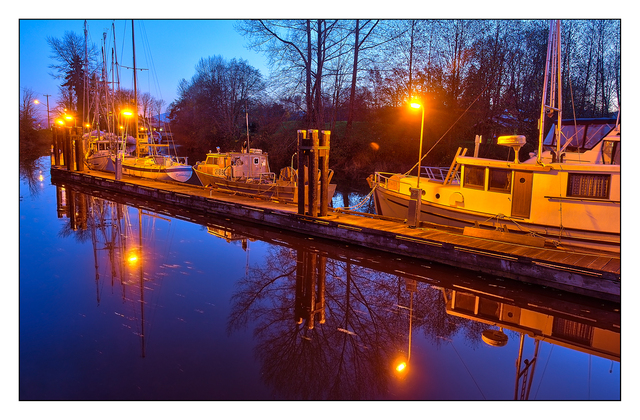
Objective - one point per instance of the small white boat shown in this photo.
(101, 148)
(567, 193)
(157, 164)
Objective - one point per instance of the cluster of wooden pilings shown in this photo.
(313, 162)
(67, 148)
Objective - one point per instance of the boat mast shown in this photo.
(135, 90)
(553, 84)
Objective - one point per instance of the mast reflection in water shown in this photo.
(121, 300)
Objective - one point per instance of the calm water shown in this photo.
(120, 300)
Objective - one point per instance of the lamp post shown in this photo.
(415, 201)
(421, 107)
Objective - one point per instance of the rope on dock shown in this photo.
(361, 203)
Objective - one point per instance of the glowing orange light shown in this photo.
(127, 113)
(68, 117)
(36, 101)
(402, 366)
(133, 258)
(415, 105)
(60, 122)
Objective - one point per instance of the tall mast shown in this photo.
(135, 90)
(552, 86)
(85, 94)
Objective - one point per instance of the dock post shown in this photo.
(302, 165)
(324, 171)
(79, 154)
(313, 173)
(413, 212)
(56, 146)
(118, 165)
(68, 150)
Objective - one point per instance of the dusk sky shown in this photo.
(170, 49)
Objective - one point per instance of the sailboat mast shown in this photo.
(135, 90)
(85, 94)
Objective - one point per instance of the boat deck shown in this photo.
(577, 272)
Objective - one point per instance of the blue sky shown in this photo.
(170, 49)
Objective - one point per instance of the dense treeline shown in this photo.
(354, 77)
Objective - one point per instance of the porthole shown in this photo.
(437, 195)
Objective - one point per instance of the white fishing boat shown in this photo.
(248, 172)
(568, 192)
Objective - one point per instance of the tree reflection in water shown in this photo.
(351, 355)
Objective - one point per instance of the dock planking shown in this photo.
(580, 273)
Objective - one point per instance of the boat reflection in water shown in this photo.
(333, 322)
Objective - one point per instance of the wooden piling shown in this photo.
(324, 172)
(313, 174)
(302, 165)
(79, 152)
(68, 150)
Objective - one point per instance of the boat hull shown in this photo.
(100, 162)
(390, 203)
(280, 190)
(139, 168)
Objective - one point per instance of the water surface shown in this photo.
(126, 300)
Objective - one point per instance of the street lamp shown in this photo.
(418, 105)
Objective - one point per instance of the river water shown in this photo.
(123, 300)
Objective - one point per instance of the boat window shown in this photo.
(588, 185)
(595, 133)
(581, 136)
(611, 152)
(256, 161)
(209, 160)
(465, 302)
(474, 177)
(500, 180)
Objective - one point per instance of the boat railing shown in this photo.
(392, 181)
(438, 173)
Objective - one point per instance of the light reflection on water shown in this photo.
(128, 301)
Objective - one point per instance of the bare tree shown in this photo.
(75, 61)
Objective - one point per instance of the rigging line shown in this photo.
(465, 366)
(589, 383)
(543, 371)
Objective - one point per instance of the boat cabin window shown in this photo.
(256, 161)
(611, 152)
(582, 136)
(500, 180)
(209, 160)
(474, 177)
(588, 185)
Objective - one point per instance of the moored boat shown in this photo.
(149, 161)
(568, 192)
(248, 172)
(101, 149)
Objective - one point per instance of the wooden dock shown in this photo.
(582, 273)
